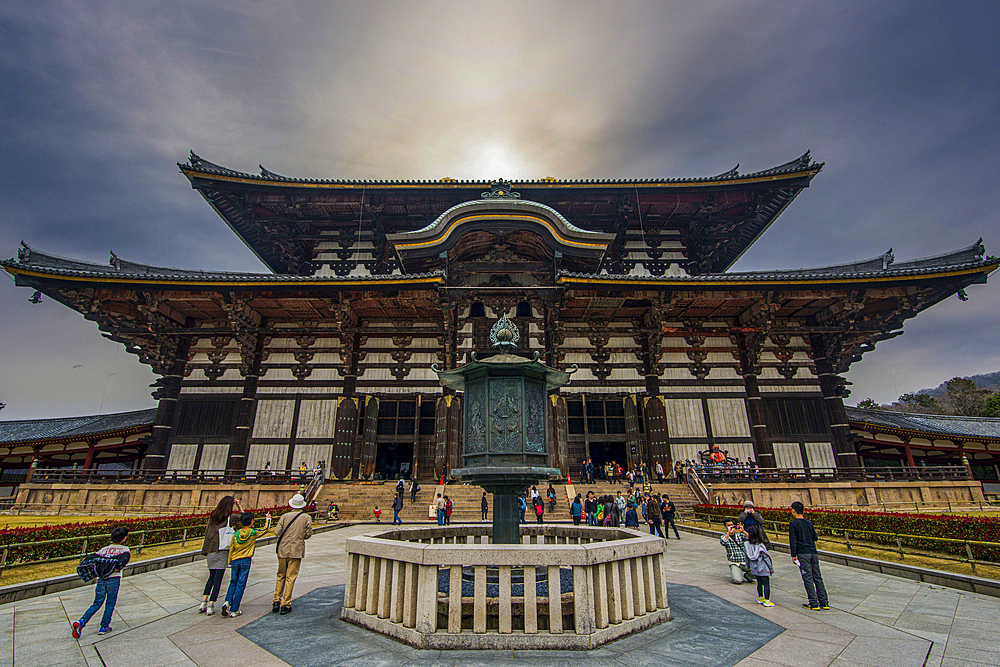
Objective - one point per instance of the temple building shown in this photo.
(328, 357)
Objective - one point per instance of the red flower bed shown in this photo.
(972, 528)
(170, 529)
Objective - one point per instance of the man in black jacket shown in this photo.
(802, 543)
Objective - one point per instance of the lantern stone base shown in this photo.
(600, 584)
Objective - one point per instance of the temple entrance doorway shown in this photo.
(393, 459)
(605, 452)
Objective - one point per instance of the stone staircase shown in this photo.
(357, 501)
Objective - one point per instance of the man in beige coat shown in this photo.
(292, 530)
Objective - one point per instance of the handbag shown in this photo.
(226, 536)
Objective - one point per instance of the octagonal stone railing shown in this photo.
(449, 588)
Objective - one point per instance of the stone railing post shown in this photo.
(426, 616)
(555, 601)
(455, 600)
(583, 600)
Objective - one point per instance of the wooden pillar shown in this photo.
(907, 453)
(89, 462)
(748, 357)
(247, 410)
(845, 454)
(167, 392)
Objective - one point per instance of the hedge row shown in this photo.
(171, 529)
(916, 526)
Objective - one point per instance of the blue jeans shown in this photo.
(440, 517)
(106, 594)
(591, 519)
(395, 517)
(239, 572)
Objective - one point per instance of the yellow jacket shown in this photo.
(245, 540)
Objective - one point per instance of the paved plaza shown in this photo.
(876, 620)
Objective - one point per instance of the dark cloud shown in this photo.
(100, 99)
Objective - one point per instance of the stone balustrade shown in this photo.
(449, 587)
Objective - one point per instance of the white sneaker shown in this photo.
(201, 607)
(210, 609)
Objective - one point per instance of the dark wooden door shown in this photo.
(559, 443)
(347, 427)
(455, 433)
(441, 434)
(656, 431)
(633, 445)
(368, 446)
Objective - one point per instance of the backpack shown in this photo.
(538, 509)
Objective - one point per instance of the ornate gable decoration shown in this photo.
(500, 190)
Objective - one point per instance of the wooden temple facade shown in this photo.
(328, 357)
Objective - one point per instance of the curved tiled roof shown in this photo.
(29, 259)
(946, 426)
(67, 428)
(883, 266)
(198, 165)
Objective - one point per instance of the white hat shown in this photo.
(297, 502)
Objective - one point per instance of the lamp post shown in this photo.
(504, 444)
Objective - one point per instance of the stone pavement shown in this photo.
(876, 620)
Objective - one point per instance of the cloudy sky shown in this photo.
(98, 101)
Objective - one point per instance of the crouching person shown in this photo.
(241, 551)
(292, 531)
(733, 539)
(106, 566)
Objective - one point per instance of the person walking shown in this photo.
(654, 515)
(669, 513)
(550, 495)
(485, 507)
(539, 508)
(448, 508)
(107, 564)
(218, 533)
(802, 545)
(522, 506)
(291, 530)
(414, 488)
(400, 488)
(576, 510)
(397, 504)
(760, 564)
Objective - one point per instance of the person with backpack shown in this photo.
(105, 565)
(760, 563)
(522, 506)
(291, 530)
(414, 489)
(218, 534)
(400, 488)
(550, 495)
(448, 508)
(539, 508)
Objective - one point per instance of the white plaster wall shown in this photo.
(260, 454)
(317, 419)
(820, 455)
(274, 419)
(182, 457)
(729, 417)
(214, 457)
(685, 418)
(787, 455)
